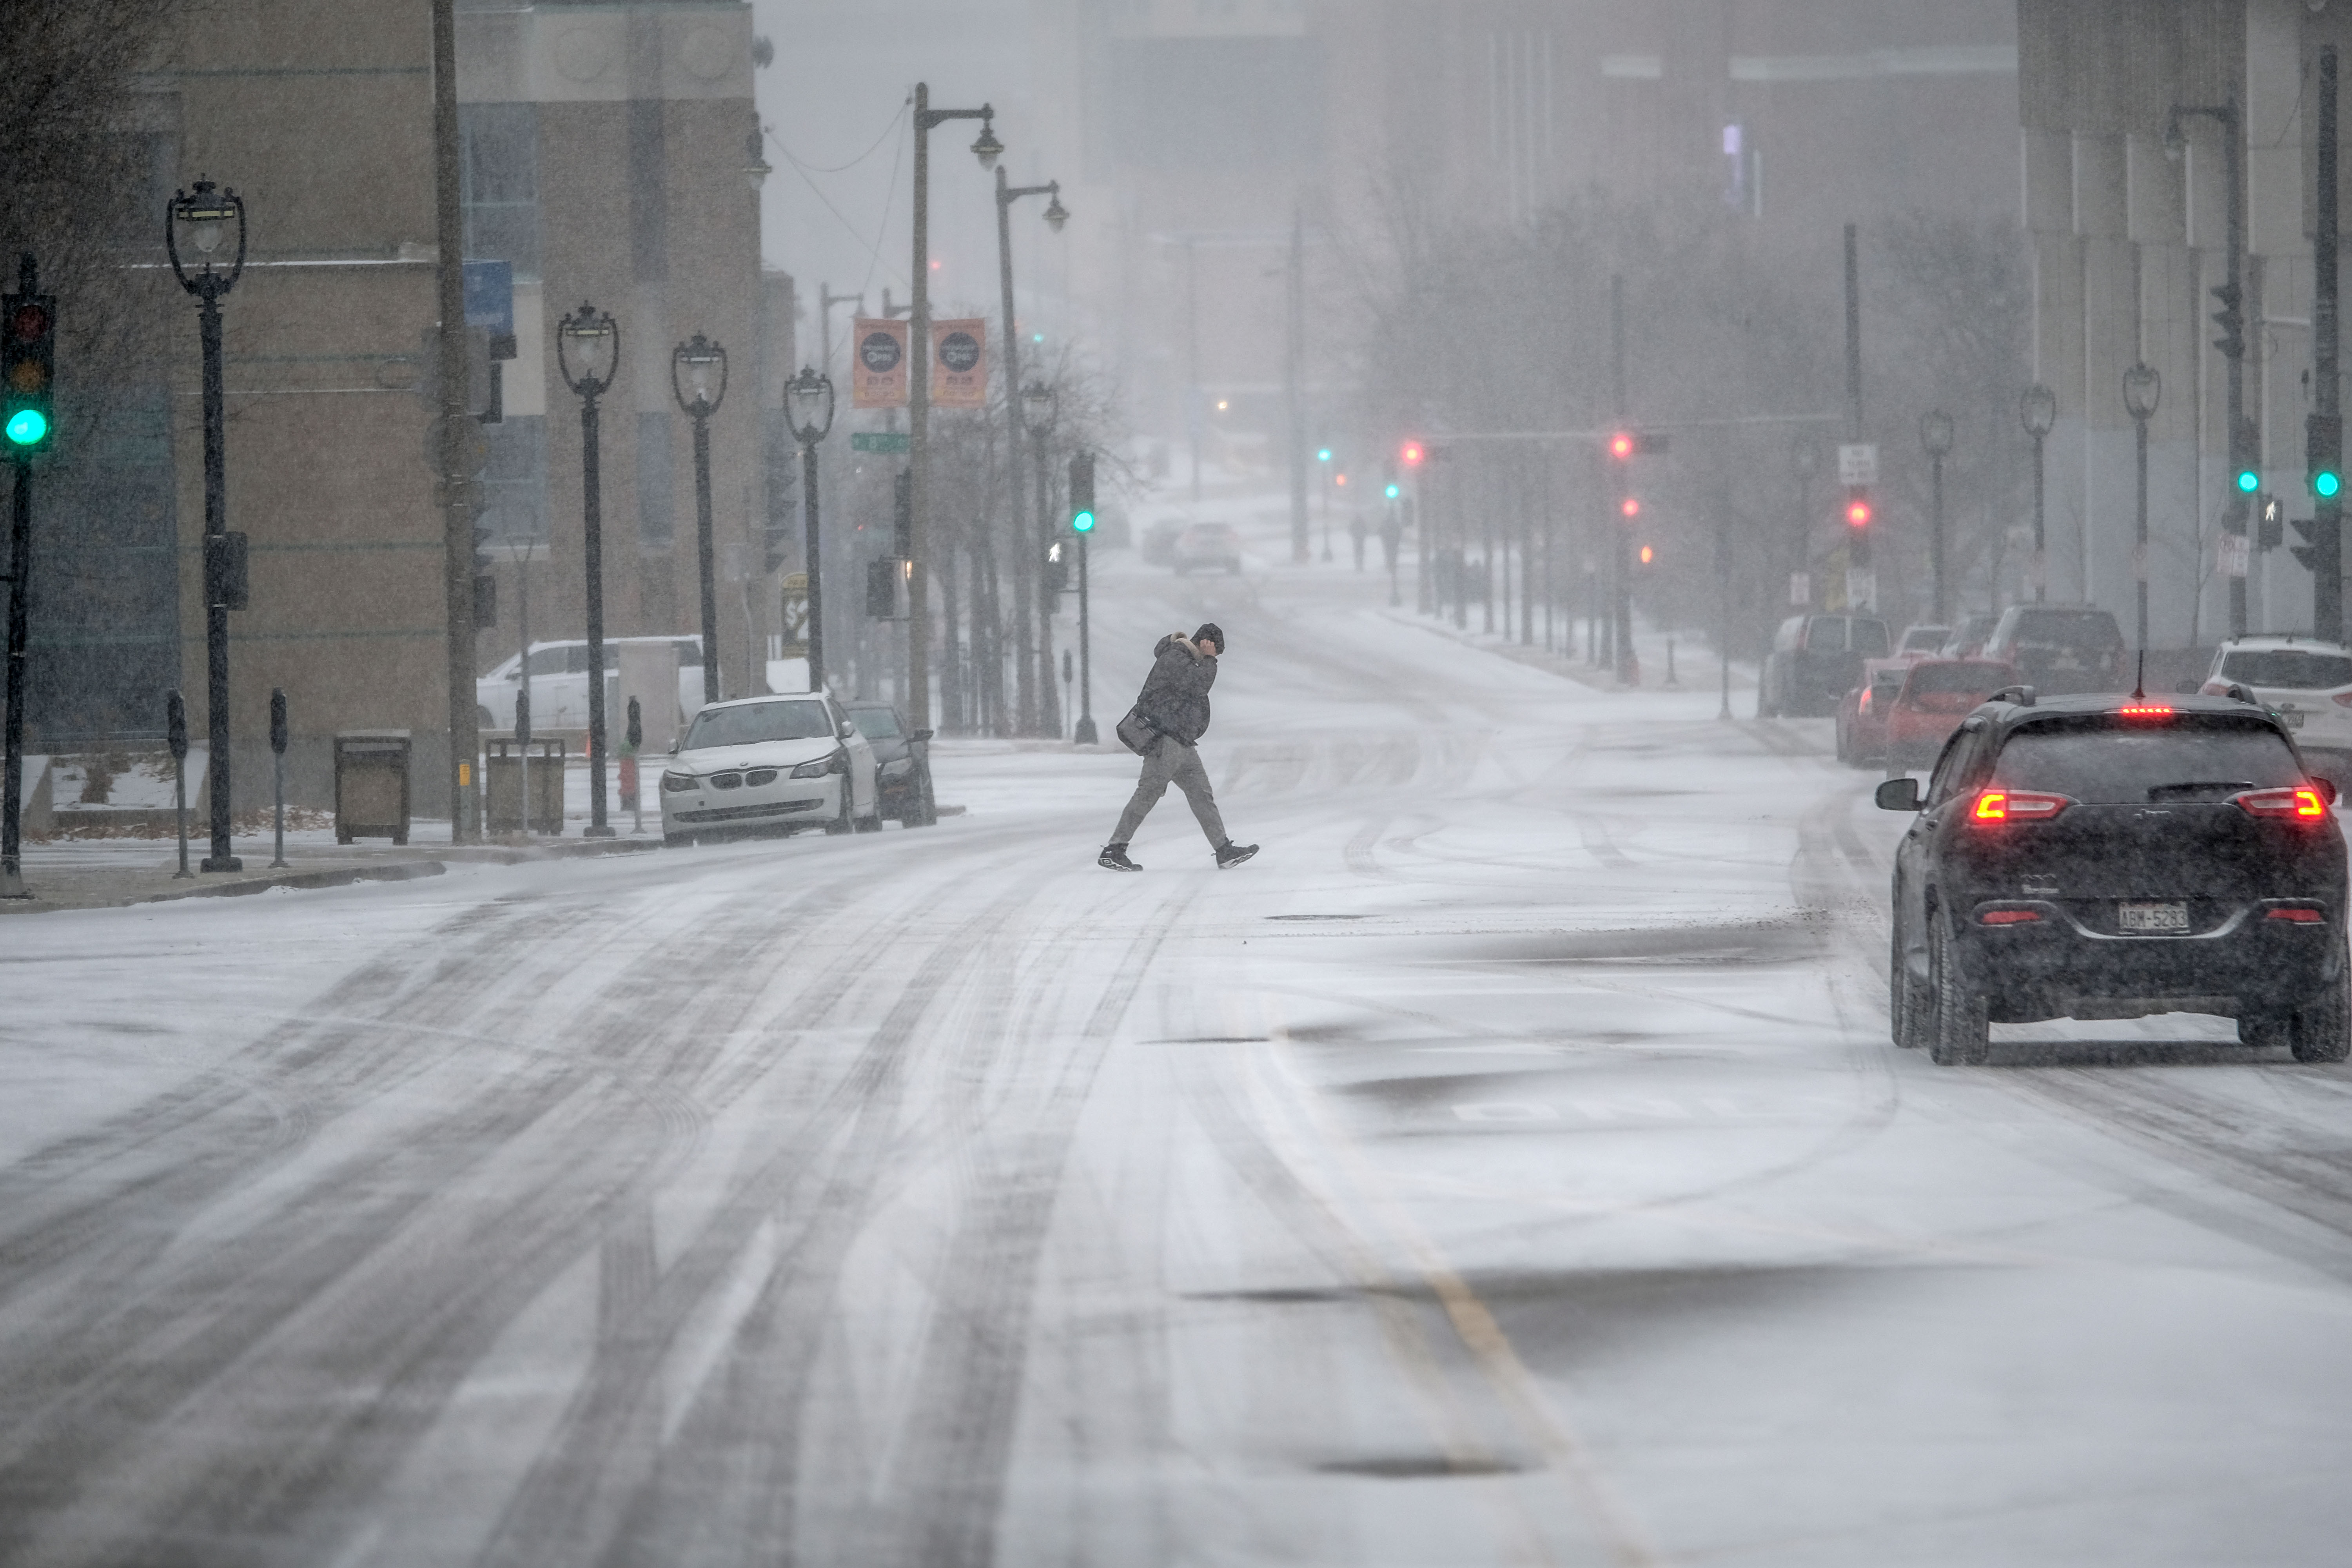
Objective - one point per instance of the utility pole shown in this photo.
(1294, 369)
(1859, 572)
(1620, 586)
(457, 486)
(826, 300)
(919, 394)
(2325, 426)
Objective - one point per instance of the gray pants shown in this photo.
(1172, 761)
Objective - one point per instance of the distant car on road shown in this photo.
(902, 764)
(559, 684)
(1815, 661)
(1207, 546)
(2060, 649)
(1923, 640)
(1935, 696)
(2308, 683)
(1862, 713)
(1967, 638)
(2099, 856)
(767, 763)
(1159, 547)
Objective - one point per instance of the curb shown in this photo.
(395, 871)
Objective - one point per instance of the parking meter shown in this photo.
(175, 726)
(277, 768)
(277, 721)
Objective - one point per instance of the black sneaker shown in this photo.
(1114, 858)
(1230, 854)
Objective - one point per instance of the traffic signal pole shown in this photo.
(2325, 425)
(20, 549)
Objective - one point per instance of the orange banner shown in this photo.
(877, 362)
(960, 364)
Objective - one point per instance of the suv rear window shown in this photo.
(2067, 628)
(2105, 761)
(2294, 667)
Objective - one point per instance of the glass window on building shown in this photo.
(498, 161)
(656, 504)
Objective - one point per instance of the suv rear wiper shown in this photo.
(2219, 787)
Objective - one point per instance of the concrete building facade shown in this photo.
(2128, 242)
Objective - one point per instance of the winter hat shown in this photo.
(1211, 632)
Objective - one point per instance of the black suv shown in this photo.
(2113, 858)
(1815, 661)
(2060, 648)
(902, 764)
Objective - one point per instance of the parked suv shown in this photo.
(2060, 648)
(2308, 683)
(902, 764)
(1815, 660)
(2114, 857)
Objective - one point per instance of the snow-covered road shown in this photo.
(1507, 1166)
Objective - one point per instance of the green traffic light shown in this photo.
(1083, 523)
(2326, 483)
(1395, 491)
(2248, 482)
(1324, 455)
(28, 426)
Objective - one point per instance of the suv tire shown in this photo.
(1961, 1031)
(2321, 1029)
(1910, 1007)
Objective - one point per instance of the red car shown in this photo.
(1930, 703)
(1862, 713)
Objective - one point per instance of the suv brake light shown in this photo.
(2302, 804)
(2146, 709)
(2017, 806)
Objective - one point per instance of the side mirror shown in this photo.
(847, 730)
(673, 748)
(921, 735)
(1898, 794)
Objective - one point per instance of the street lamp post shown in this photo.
(2142, 389)
(588, 356)
(987, 149)
(1935, 436)
(2038, 410)
(700, 365)
(1024, 565)
(2232, 318)
(204, 216)
(1039, 406)
(808, 408)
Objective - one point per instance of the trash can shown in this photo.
(371, 784)
(503, 775)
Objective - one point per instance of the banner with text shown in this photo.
(878, 372)
(960, 364)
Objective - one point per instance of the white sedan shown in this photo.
(767, 762)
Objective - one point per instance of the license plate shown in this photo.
(2293, 719)
(2152, 918)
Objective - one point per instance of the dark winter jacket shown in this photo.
(1175, 699)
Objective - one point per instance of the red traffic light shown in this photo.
(1412, 454)
(1857, 512)
(1622, 445)
(1629, 507)
(28, 321)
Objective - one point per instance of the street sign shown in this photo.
(1858, 463)
(880, 441)
(2230, 553)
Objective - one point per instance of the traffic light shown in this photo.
(1082, 493)
(1323, 453)
(1648, 555)
(2323, 541)
(1413, 452)
(2232, 322)
(1395, 490)
(902, 514)
(1058, 569)
(2270, 524)
(485, 586)
(2250, 480)
(1857, 511)
(28, 335)
(2323, 436)
(1621, 445)
(1629, 507)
